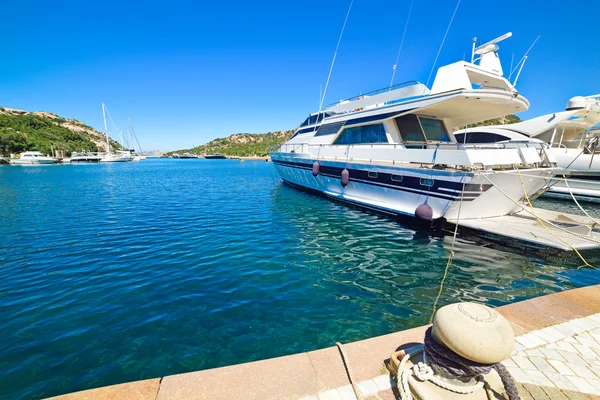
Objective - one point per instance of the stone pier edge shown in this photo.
(320, 374)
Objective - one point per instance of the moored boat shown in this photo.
(393, 150)
(86, 158)
(32, 158)
(215, 156)
(109, 157)
(572, 136)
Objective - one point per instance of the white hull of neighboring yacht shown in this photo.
(584, 185)
(400, 190)
(113, 159)
(583, 174)
(16, 161)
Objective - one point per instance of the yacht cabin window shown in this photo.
(366, 134)
(421, 130)
(479, 137)
(434, 129)
(314, 119)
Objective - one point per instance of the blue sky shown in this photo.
(188, 72)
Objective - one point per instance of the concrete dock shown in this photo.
(556, 356)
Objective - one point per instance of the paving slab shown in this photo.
(586, 298)
(329, 367)
(552, 309)
(367, 357)
(140, 390)
(289, 377)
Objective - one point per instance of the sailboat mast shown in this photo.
(105, 129)
(130, 133)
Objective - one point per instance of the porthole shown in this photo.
(426, 182)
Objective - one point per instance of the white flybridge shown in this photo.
(393, 151)
(572, 135)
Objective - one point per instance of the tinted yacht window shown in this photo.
(410, 129)
(363, 134)
(480, 137)
(434, 129)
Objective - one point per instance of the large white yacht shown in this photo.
(393, 150)
(572, 135)
(32, 158)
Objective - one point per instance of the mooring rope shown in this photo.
(451, 256)
(439, 357)
(523, 208)
(576, 202)
(542, 222)
(585, 263)
(349, 371)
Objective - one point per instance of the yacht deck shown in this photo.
(580, 232)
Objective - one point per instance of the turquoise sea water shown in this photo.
(115, 273)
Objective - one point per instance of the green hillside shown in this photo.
(41, 131)
(248, 144)
(241, 144)
(509, 119)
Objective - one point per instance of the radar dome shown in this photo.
(576, 103)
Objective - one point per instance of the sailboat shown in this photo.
(109, 157)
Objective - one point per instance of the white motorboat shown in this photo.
(573, 139)
(86, 158)
(393, 150)
(32, 158)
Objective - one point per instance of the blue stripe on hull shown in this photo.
(408, 184)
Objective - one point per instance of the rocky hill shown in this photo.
(43, 131)
(241, 144)
(248, 144)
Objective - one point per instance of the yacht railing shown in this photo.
(300, 147)
(320, 150)
(373, 93)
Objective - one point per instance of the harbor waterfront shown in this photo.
(120, 272)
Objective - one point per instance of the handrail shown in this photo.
(441, 146)
(374, 92)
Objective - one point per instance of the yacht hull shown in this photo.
(400, 190)
(32, 162)
(584, 186)
(113, 159)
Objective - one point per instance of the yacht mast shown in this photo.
(105, 130)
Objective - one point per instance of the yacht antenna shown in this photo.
(442, 45)
(401, 43)
(320, 93)
(519, 73)
(512, 61)
(522, 60)
(473, 50)
(335, 55)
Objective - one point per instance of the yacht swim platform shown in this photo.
(580, 232)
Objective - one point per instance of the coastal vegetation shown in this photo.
(42, 131)
(241, 144)
(253, 144)
(508, 119)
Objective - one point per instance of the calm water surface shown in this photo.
(115, 273)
